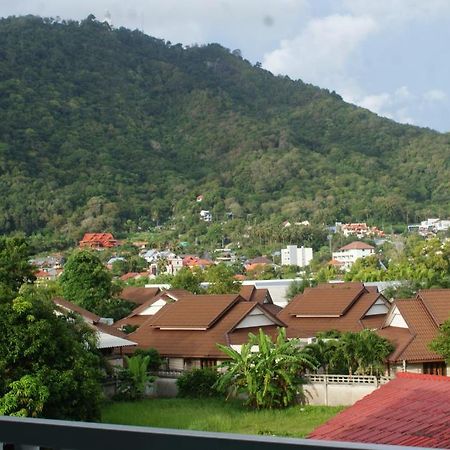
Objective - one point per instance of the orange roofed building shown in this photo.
(98, 241)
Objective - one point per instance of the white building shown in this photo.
(206, 215)
(348, 254)
(295, 256)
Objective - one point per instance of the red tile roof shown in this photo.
(437, 302)
(411, 410)
(356, 245)
(96, 240)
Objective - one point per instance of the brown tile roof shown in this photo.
(411, 410)
(253, 294)
(69, 306)
(195, 311)
(353, 319)
(200, 343)
(437, 302)
(331, 301)
(138, 295)
(422, 329)
(357, 245)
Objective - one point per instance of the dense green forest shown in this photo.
(106, 129)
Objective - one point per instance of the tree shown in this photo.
(49, 365)
(441, 344)
(187, 279)
(14, 266)
(221, 280)
(271, 376)
(86, 281)
(323, 352)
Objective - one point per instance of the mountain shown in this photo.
(102, 129)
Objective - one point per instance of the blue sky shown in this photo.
(390, 56)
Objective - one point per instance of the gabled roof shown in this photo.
(253, 294)
(139, 295)
(329, 301)
(98, 239)
(349, 315)
(195, 311)
(357, 245)
(201, 343)
(437, 302)
(411, 410)
(140, 314)
(422, 326)
(107, 335)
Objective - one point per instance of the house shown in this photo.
(360, 229)
(257, 263)
(262, 296)
(294, 256)
(206, 215)
(98, 241)
(194, 261)
(133, 276)
(110, 341)
(339, 306)
(348, 254)
(186, 332)
(411, 325)
(150, 306)
(138, 295)
(410, 410)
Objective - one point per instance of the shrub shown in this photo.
(154, 358)
(198, 383)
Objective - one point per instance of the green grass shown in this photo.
(218, 415)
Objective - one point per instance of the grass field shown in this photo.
(217, 415)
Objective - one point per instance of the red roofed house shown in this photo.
(411, 325)
(334, 306)
(348, 254)
(194, 261)
(411, 410)
(186, 332)
(98, 241)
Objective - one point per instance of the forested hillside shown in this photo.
(100, 127)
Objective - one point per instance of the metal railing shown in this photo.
(32, 434)
(346, 379)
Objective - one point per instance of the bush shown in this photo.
(154, 358)
(198, 383)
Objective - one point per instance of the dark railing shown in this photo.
(30, 434)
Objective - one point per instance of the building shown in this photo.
(295, 256)
(110, 341)
(348, 254)
(360, 230)
(411, 410)
(341, 306)
(98, 241)
(187, 331)
(411, 325)
(206, 215)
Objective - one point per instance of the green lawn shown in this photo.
(217, 415)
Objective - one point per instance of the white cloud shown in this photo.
(435, 95)
(320, 52)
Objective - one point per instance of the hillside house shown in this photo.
(98, 241)
(360, 230)
(347, 255)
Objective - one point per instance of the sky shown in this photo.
(390, 56)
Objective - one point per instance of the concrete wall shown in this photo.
(336, 394)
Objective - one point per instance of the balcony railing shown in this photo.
(33, 434)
